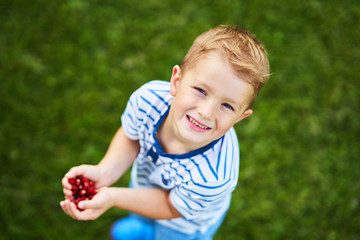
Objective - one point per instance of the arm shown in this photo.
(151, 203)
(118, 158)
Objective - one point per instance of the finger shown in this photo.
(68, 194)
(62, 205)
(65, 183)
(72, 173)
(75, 212)
(65, 207)
(88, 214)
(67, 191)
(88, 204)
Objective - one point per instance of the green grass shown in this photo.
(67, 69)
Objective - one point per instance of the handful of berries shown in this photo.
(82, 189)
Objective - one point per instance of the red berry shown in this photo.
(82, 189)
(78, 181)
(90, 190)
(71, 181)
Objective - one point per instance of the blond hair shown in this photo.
(246, 54)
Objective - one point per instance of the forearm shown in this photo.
(151, 203)
(119, 156)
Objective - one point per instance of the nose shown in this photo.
(207, 110)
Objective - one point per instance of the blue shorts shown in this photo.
(135, 227)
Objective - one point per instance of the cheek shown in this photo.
(179, 107)
(224, 123)
(184, 102)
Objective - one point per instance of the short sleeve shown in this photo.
(192, 200)
(129, 117)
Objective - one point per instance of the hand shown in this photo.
(93, 208)
(90, 171)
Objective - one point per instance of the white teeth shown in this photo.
(196, 123)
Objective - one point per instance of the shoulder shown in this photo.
(153, 93)
(153, 89)
(145, 107)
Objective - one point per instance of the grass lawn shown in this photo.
(68, 67)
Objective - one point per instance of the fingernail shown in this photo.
(81, 205)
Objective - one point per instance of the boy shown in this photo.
(180, 141)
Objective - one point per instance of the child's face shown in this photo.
(208, 100)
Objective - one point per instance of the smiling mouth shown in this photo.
(196, 123)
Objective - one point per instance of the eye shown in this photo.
(201, 90)
(228, 106)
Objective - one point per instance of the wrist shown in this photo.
(107, 174)
(112, 196)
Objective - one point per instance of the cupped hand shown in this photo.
(91, 209)
(89, 171)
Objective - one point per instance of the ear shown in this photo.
(175, 80)
(247, 113)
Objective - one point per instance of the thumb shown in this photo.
(88, 204)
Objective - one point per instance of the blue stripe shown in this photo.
(130, 102)
(207, 195)
(188, 206)
(144, 171)
(219, 155)
(145, 163)
(152, 106)
(225, 164)
(148, 142)
(176, 171)
(194, 201)
(232, 156)
(145, 167)
(209, 164)
(131, 127)
(159, 97)
(132, 120)
(167, 171)
(199, 170)
(145, 178)
(140, 119)
(172, 169)
(195, 223)
(149, 116)
(186, 170)
(212, 187)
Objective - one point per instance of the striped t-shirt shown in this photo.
(200, 182)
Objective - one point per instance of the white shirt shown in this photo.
(200, 182)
